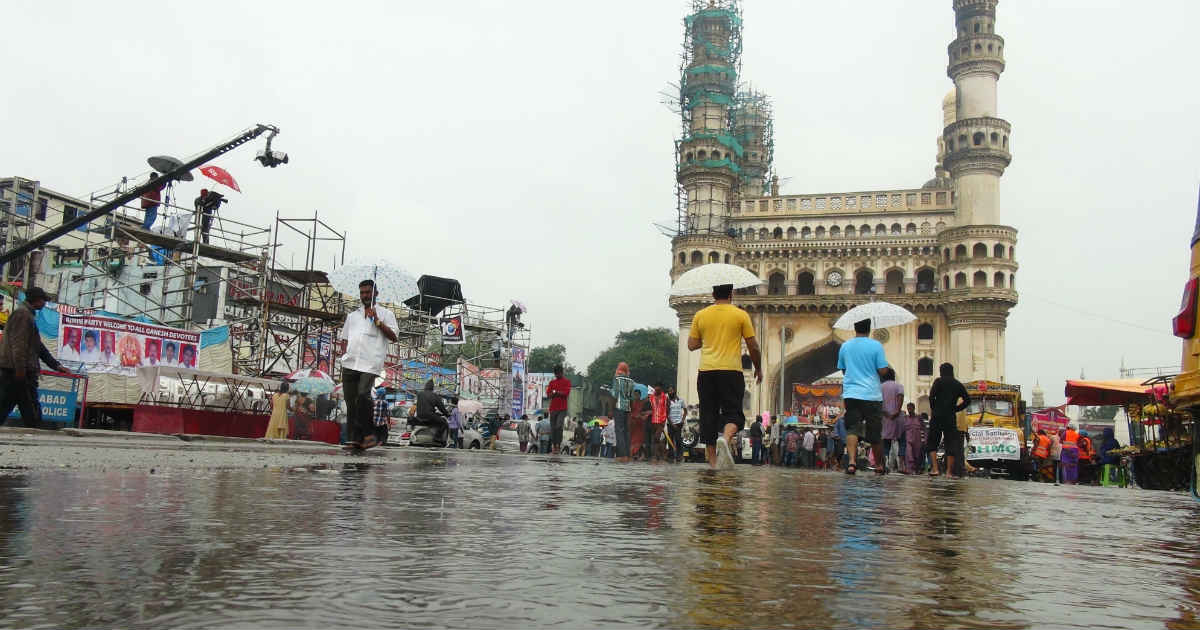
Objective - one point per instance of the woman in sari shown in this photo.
(277, 427)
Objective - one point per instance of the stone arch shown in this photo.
(701, 155)
(978, 136)
(960, 280)
(947, 254)
(683, 258)
(811, 363)
(864, 230)
(864, 281)
(960, 252)
(806, 283)
(805, 232)
(946, 282)
(880, 229)
(926, 280)
(791, 233)
(998, 251)
(697, 257)
(763, 234)
(777, 233)
(911, 228)
(835, 232)
(897, 228)
(979, 251)
(714, 257)
(998, 280)
(926, 227)
(979, 281)
(727, 258)
(819, 232)
(775, 283)
(925, 332)
(894, 281)
(1012, 281)
(849, 231)
(1012, 252)
(941, 225)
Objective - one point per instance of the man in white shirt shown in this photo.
(367, 332)
(810, 441)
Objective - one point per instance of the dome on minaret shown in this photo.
(950, 107)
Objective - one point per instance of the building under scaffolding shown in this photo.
(726, 142)
(280, 317)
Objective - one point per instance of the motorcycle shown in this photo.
(429, 432)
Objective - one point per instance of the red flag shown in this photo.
(220, 175)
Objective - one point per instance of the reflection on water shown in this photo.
(442, 539)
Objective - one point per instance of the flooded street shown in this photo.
(441, 539)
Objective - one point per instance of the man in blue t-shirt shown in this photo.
(862, 361)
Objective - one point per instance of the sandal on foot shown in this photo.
(851, 469)
(369, 442)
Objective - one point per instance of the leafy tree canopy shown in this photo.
(651, 353)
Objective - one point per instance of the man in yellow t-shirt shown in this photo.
(718, 331)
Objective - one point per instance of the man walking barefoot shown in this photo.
(862, 361)
(717, 331)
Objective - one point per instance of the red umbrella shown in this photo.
(220, 175)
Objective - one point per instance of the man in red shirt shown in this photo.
(659, 405)
(150, 201)
(558, 392)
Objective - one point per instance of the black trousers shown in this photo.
(22, 395)
(360, 409)
(676, 433)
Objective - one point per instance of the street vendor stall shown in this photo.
(1160, 449)
(182, 400)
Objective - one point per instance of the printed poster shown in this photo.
(518, 382)
(118, 346)
(452, 330)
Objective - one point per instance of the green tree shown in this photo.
(651, 353)
(544, 358)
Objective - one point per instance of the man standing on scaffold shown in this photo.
(367, 332)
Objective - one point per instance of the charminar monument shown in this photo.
(940, 250)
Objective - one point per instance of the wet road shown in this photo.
(481, 540)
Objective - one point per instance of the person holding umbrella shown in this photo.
(863, 362)
(367, 332)
(717, 331)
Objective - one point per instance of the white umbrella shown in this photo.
(393, 283)
(702, 279)
(881, 314)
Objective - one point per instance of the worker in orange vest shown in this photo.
(1041, 452)
(1087, 456)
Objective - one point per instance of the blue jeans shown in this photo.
(789, 459)
(757, 451)
(151, 215)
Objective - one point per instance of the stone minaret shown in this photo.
(978, 268)
(708, 155)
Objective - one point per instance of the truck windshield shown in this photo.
(996, 407)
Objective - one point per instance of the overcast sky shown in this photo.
(521, 147)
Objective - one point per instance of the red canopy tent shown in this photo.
(1114, 392)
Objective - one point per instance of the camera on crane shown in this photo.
(270, 158)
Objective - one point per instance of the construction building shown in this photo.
(275, 318)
